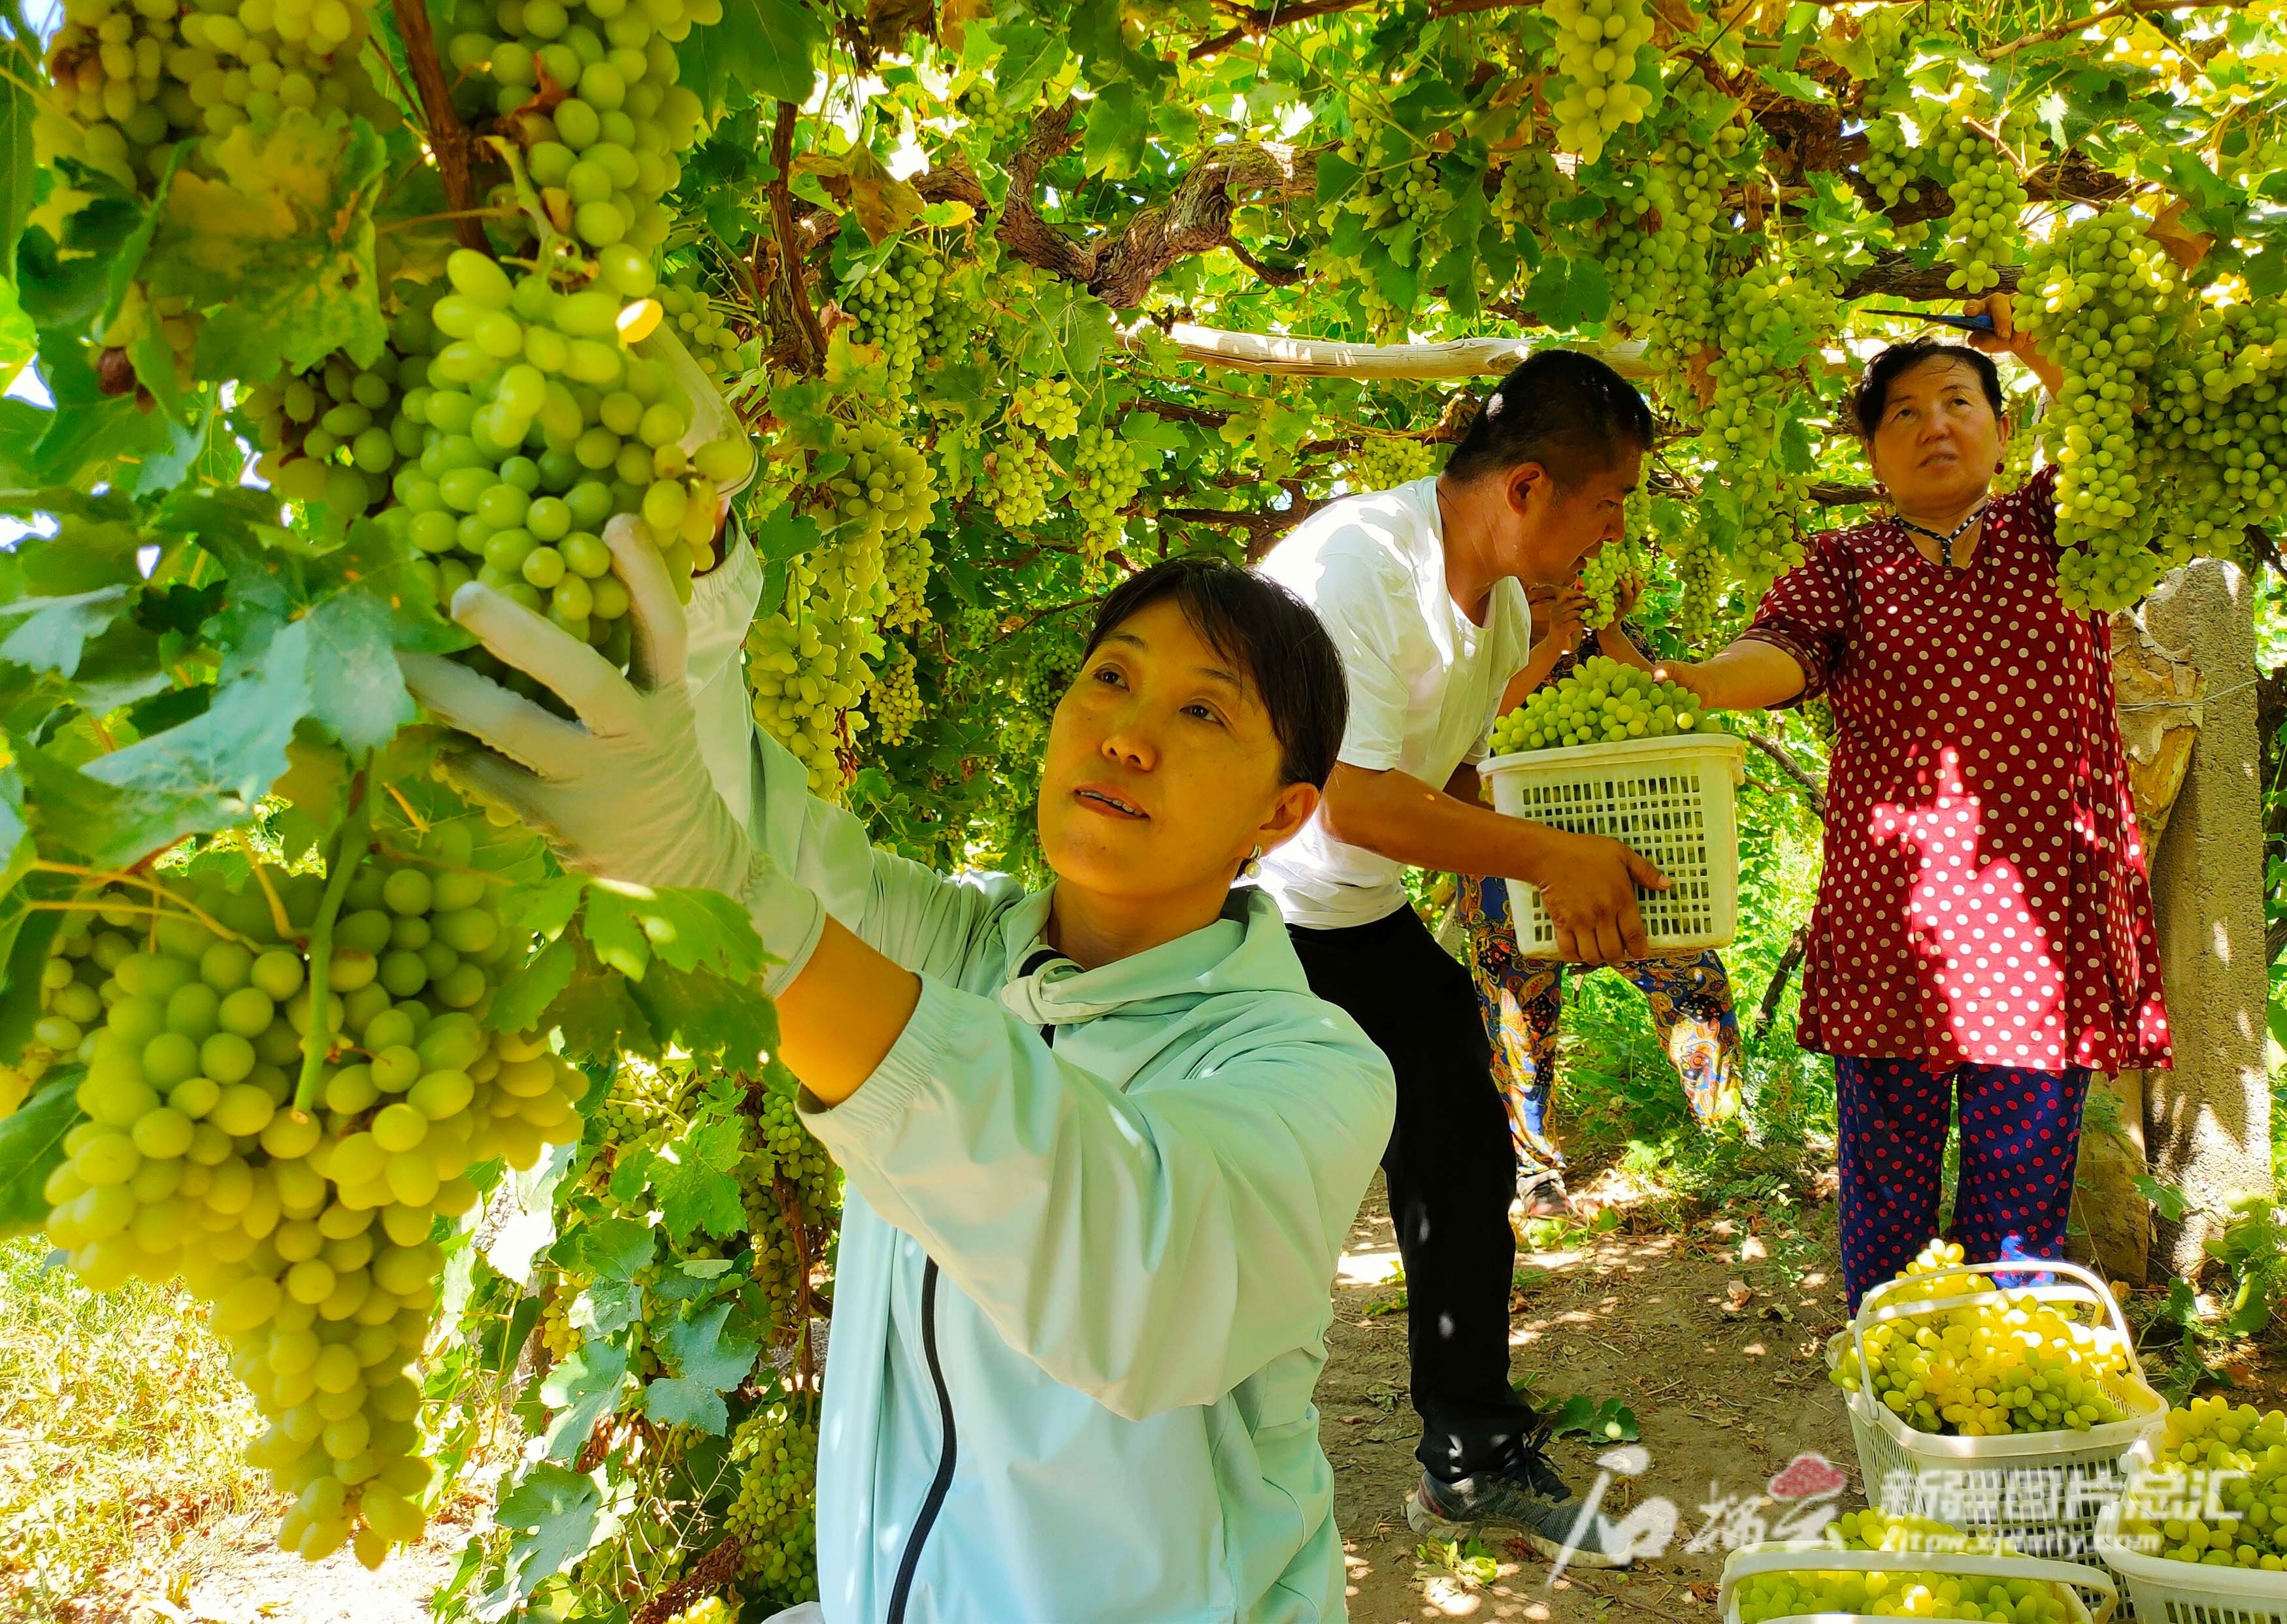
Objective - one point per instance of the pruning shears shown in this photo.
(1967, 324)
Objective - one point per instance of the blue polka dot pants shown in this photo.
(2019, 1131)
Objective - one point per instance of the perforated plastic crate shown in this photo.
(1668, 799)
(2165, 1591)
(2043, 1492)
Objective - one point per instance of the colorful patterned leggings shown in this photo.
(1523, 1002)
(2019, 1133)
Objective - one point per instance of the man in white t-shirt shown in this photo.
(1422, 590)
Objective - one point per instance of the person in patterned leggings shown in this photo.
(1983, 935)
(1522, 1000)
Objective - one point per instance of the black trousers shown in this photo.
(1451, 1172)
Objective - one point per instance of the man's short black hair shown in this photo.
(1873, 394)
(1565, 410)
(1271, 635)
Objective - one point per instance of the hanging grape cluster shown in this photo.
(304, 1219)
(893, 305)
(1598, 42)
(1383, 463)
(1105, 478)
(2100, 297)
(606, 154)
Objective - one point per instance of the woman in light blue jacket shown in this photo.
(1101, 1145)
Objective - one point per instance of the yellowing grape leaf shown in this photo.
(281, 244)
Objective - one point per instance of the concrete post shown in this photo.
(2207, 1124)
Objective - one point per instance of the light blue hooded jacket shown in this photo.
(1093, 1222)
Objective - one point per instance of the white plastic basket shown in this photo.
(2042, 1491)
(1669, 799)
(2167, 1592)
(2089, 1594)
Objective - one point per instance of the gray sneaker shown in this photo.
(1526, 1498)
(1540, 1194)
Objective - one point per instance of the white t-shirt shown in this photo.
(1425, 680)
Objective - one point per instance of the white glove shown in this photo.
(624, 793)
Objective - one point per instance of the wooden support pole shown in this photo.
(1333, 358)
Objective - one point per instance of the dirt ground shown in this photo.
(1712, 1337)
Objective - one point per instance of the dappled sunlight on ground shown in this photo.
(1709, 1333)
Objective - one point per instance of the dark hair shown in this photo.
(1565, 410)
(1873, 392)
(1266, 631)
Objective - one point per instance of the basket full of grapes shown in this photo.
(1832, 1582)
(2200, 1532)
(1609, 750)
(2002, 1408)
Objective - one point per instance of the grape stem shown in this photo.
(448, 138)
(350, 844)
(184, 912)
(114, 876)
(280, 919)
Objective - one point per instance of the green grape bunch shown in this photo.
(1603, 702)
(1989, 201)
(774, 1512)
(606, 154)
(128, 80)
(539, 422)
(1106, 477)
(1601, 575)
(1384, 461)
(1046, 405)
(2216, 1493)
(2101, 298)
(305, 1221)
(895, 699)
(2006, 1363)
(1019, 472)
(893, 305)
(704, 327)
(332, 433)
(1597, 45)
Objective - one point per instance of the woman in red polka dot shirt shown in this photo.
(1983, 926)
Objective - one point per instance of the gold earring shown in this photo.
(1252, 866)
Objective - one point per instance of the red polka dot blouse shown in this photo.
(1984, 898)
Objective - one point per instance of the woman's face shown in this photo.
(1162, 772)
(1938, 444)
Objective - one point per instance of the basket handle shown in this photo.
(2019, 1266)
(1786, 1556)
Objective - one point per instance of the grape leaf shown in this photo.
(707, 1363)
(16, 851)
(583, 1390)
(18, 173)
(728, 1021)
(555, 1515)
(771, 47)
(51, 632)
(523, 999)
(1113, 144)
(688, 928)
(207, 774)
(19, 340)
(613, 1252)
(31, 1148)
(692, 1178)
(1030, 57)
(355, 607)
(281, 243)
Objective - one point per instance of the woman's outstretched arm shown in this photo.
(1750, 675)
